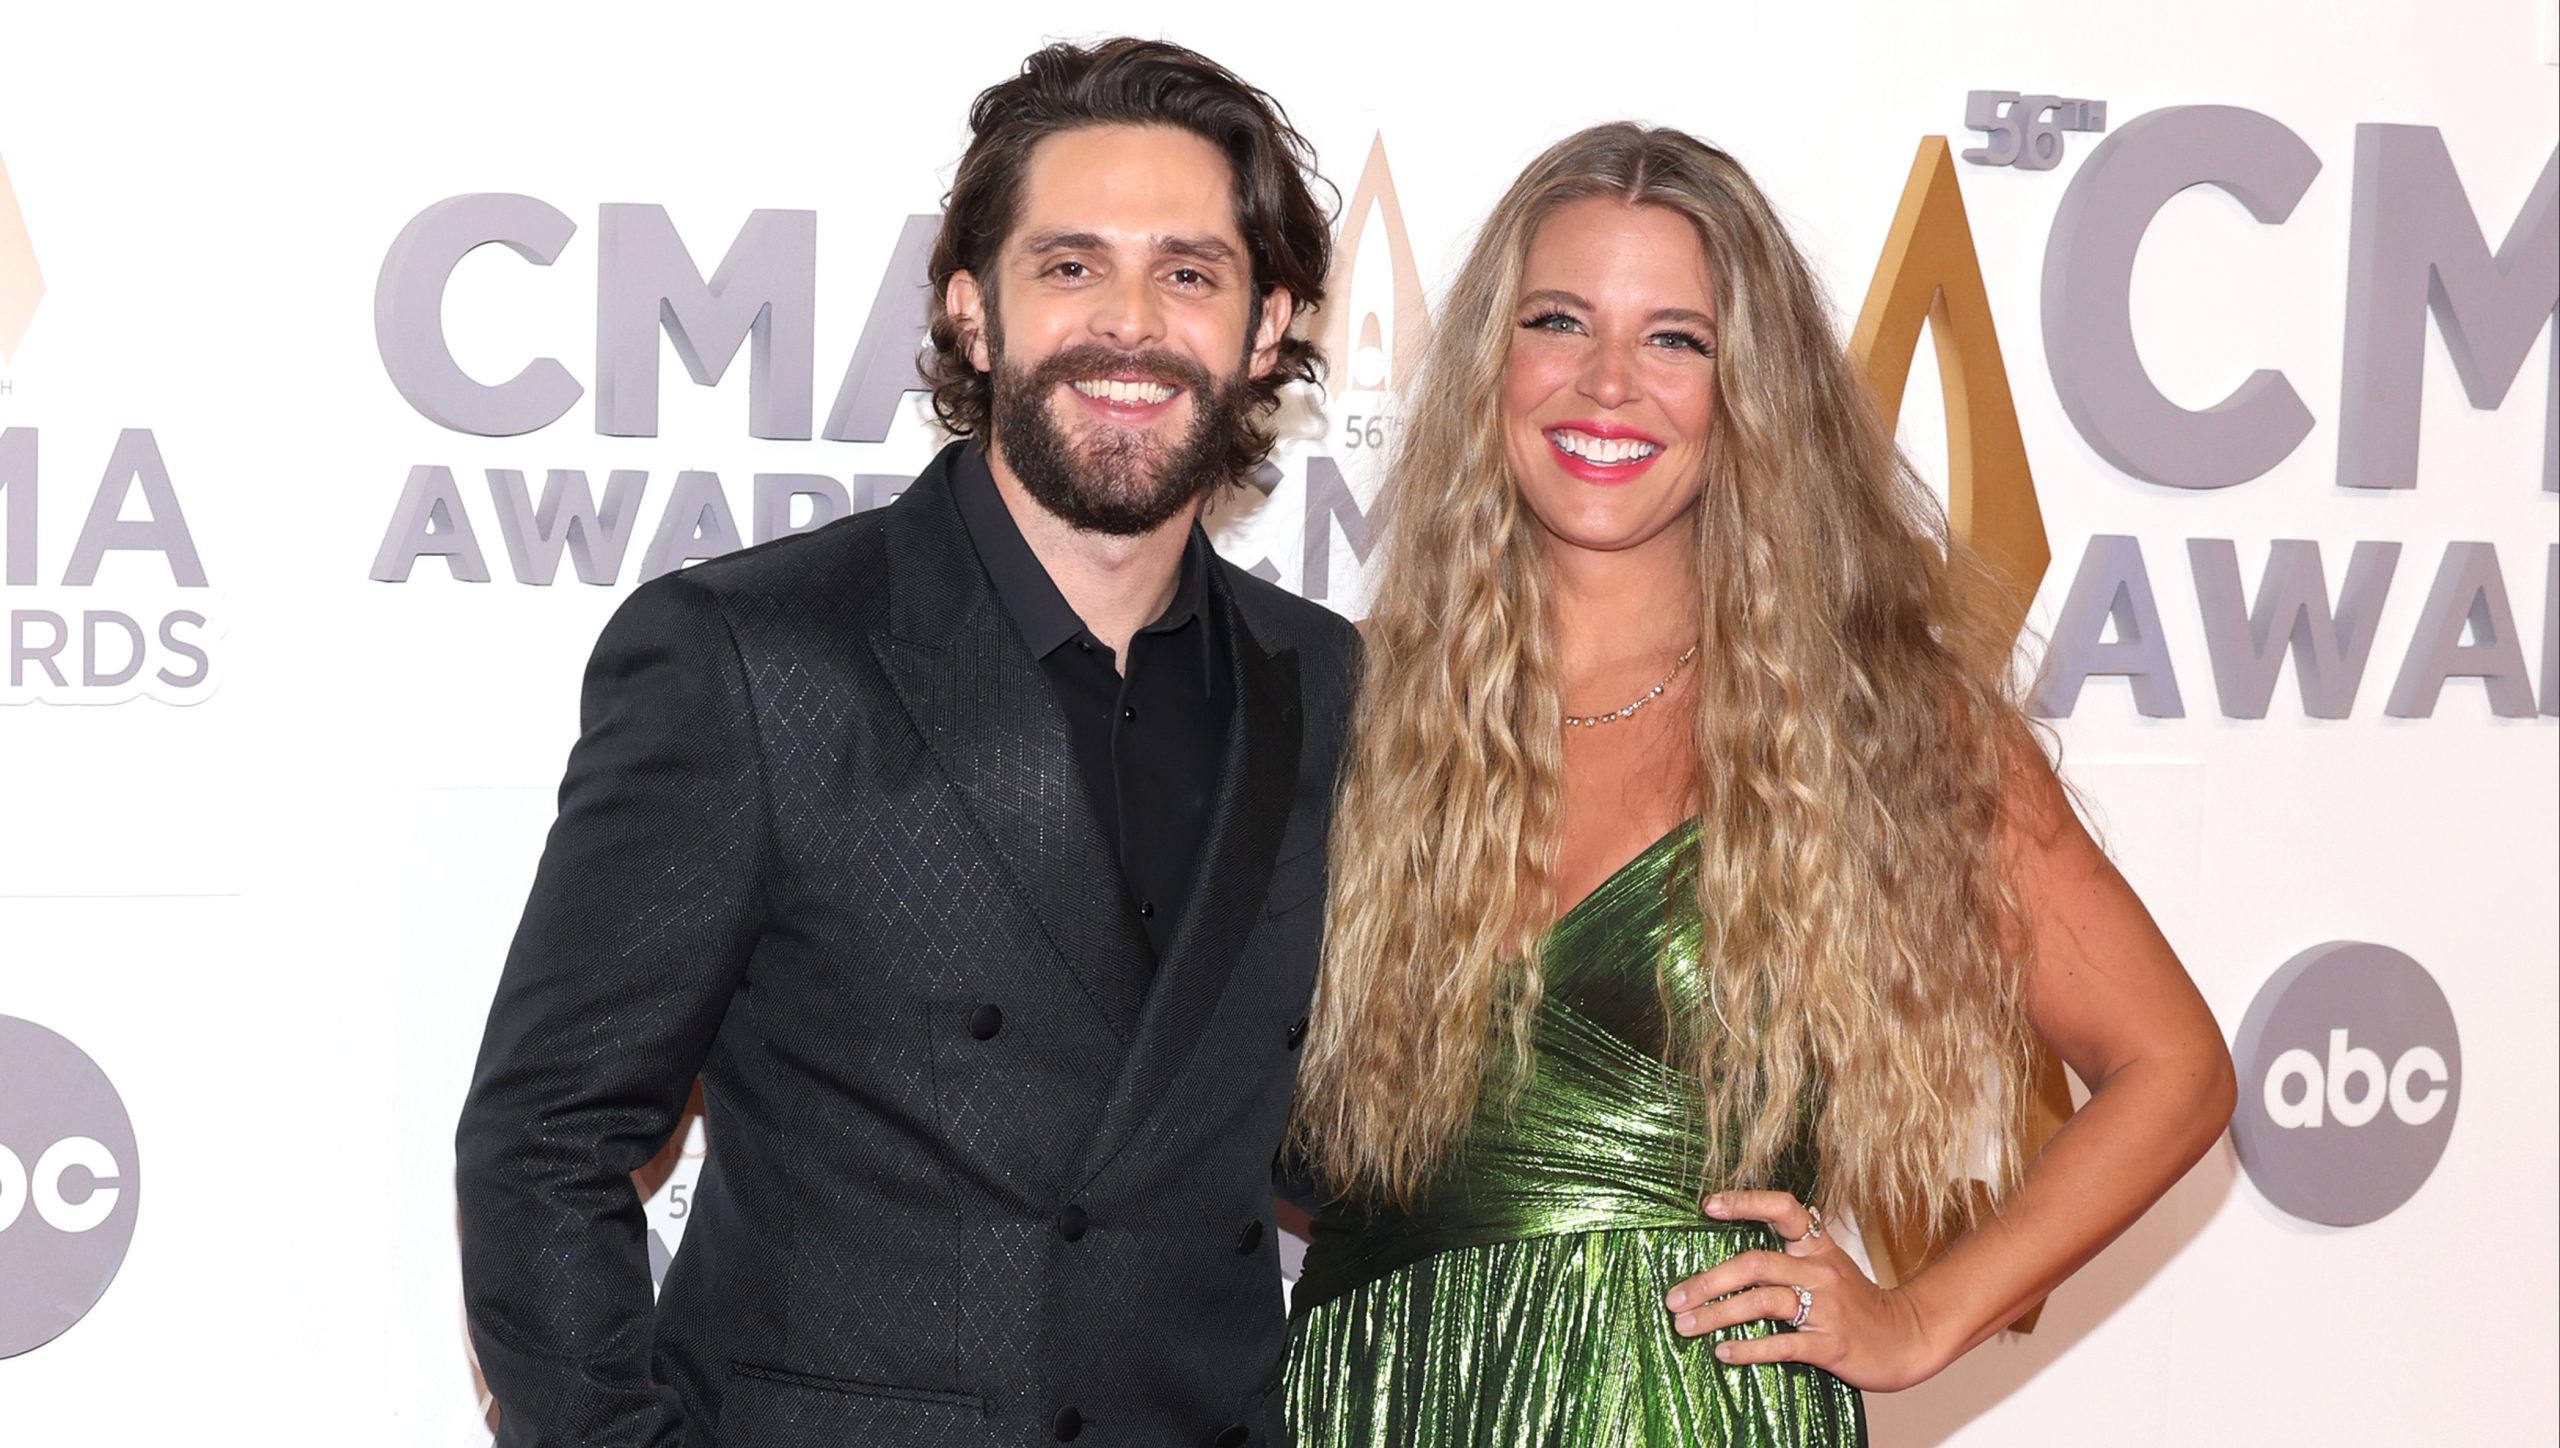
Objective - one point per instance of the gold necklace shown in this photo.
(1594, 721)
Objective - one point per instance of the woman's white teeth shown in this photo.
(1603, 449)
(1103, 390)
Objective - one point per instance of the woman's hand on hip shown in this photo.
(1869, 1337)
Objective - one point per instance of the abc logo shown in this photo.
(2303, 1093)
(2350, 1075)
(69, 1184)
(59, 1211)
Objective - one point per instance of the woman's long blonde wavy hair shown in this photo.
(1854, 729)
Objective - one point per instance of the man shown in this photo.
(969, 850)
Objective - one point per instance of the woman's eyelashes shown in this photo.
(1566, 324)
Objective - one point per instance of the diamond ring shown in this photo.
(1813, 1224)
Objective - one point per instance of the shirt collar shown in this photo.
(1045, 619)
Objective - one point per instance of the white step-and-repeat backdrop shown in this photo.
(295, 606)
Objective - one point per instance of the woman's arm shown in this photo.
(2108, 994)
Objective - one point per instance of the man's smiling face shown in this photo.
(1120, 326)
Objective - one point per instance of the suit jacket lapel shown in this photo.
(1257, 781)
(978, 698)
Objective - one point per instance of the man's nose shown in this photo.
(1129, 312)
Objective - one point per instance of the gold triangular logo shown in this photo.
(21, 283)
(1379, 353)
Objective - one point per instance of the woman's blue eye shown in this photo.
(1549, 322)
(1697, 344)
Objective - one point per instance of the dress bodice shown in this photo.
(1608, 1130)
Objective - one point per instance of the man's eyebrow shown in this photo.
(1197, 248)
(1044, 242)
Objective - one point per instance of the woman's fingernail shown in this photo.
(1724, 1352)
(1688, 1324)
(1716, 1207)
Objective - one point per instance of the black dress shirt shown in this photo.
(1147, 736)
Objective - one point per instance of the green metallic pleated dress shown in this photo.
(1519, 1305)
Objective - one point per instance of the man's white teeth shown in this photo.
(1104, 390)
(1603, 449)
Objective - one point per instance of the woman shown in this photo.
(1695, 873)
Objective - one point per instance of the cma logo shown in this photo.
(2351, 1086)
(2358, 1070)
(763, 296)
(2416, 252)
(760, 300)
(47, 1187)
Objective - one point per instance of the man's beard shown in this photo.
(1114, 480)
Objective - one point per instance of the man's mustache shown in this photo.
(1092, 359)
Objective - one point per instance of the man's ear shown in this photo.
(966, 301)
(1277, 308)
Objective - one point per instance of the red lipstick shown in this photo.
(1598, 472)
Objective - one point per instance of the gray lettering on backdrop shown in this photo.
(2416, 246)
(2088, 279)
(408, 315)
(169, 640)
(2112, 586)
(429, 522)
(775, 492)
(89, 675)
(766, 288)
(22, 653)
(596, 538)
(697, 525)
(2470, 593)
(18, 491)
(883, 369)
(162, 530)
(1329, 502)
(2249, 645)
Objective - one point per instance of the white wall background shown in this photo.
(275, 916)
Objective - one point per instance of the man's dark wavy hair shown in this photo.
(1126, 82)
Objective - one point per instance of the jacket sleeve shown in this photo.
(636, 935)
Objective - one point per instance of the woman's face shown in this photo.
(1609, 397)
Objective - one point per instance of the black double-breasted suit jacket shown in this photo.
(972, 1181)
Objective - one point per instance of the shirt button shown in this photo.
(1071, 1223)
(1249, 1238)
(1146, 911)
(985, 1022)
(1297, 1032)
(1066, 1425)
(1084, 646)
(1130, 713)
